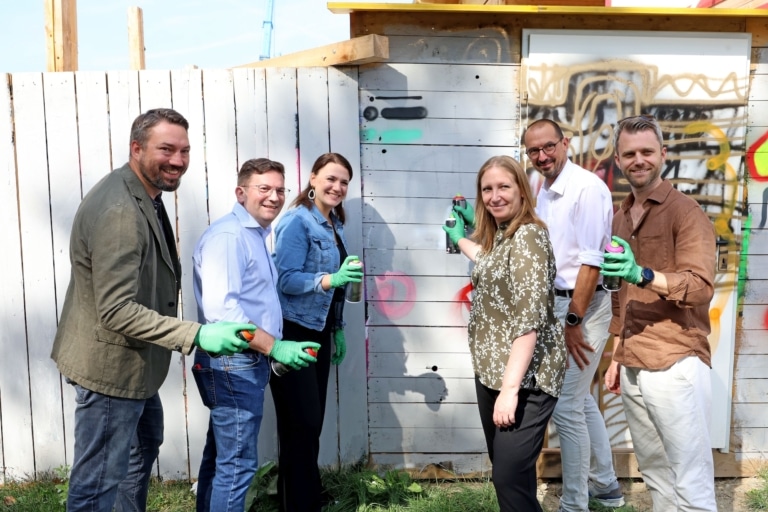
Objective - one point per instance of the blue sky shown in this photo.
(206, 33)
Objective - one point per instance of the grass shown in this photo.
(353, 489)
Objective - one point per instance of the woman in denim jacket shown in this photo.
(309, 251)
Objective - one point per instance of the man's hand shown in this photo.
(292, 353)
(220, 338)
(347, 273)
(613, 379)
(456, 232)
(341, 346)
(574, 342)
(622, 264)
(467, 214)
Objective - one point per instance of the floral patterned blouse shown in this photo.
(514, 294)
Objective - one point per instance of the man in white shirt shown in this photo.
(577, 208)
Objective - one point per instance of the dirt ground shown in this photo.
(731, 494)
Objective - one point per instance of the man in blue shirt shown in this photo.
(235, 278)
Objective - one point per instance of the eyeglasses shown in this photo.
(548, 149)
(266, 190)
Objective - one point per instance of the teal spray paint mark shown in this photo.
(746, 230)
(390, 136)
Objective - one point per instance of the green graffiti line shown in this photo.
(390, 136)
(746, 230)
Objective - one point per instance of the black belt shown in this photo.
(569, 293)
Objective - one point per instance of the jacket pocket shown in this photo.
(113, 338)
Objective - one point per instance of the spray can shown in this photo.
(612, 283)
(281, 369)
(354, 291)
(450, 247)
(460, 201)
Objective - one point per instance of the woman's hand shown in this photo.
(347, 273)
(504, 408)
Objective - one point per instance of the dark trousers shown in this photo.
(299, 397)
(514, 450)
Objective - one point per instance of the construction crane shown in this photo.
(266, 31)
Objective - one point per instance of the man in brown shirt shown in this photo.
(661, 356)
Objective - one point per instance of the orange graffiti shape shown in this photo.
(757, 159)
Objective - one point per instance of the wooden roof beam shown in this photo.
(360, 50)
(136, 38)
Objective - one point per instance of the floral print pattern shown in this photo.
(514, 294)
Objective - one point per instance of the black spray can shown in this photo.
(612, 283)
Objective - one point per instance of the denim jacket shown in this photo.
(305, 251)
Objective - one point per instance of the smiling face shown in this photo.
(640, 157)
(500, 193)
(263, 207)
(540, 138)
(163, 159)
(330, 184)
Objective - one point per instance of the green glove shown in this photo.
(622, 264)
(341, 346)
(456, 232)
(467, 213)
(220, 338)
(347, 273)
(291, 353)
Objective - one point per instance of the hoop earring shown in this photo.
(311, 194)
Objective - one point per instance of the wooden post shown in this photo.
(136, 38)
(61, 34)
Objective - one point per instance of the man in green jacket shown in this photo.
(120, 322)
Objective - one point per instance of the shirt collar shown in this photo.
(247, 221)
(658, 195)
(558, 187)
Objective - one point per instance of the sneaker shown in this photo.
(612, 498)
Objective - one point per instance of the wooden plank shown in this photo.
(220, 140)
(439, 77)
(135, 38)
(124, 107)
(450, 365)
(494, 48)
(415, 158)
(354, 52)
(438, 314)
(15, 410)
(414, 440)
(751, 342)
(416, 263)
(401, 210)
(405, 237)
(750, 440)
(749, 415)
(411, 104)
(192, 220)
(412, 339)
(250, 113)
(173, 463)
(32, 126)
(757, 266)
(344, 138)
(312, 84)
(61, 34)
(395, 288)
(425, 416)
(402, 184)
(750, 366)
(93, 117)
(428, 389)
(758, 27)
(450, 132)
(750, 391)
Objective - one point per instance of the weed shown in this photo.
(757, 499)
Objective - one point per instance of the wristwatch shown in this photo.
(573, 319)
(646, 276)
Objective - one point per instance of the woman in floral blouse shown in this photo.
(516, 342)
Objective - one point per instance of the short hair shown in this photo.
(550, 122)
(634, 124)
(323, 160)
(142, 124)
(257, 166)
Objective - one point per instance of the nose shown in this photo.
(177, 159)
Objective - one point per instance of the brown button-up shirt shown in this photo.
(676, 238)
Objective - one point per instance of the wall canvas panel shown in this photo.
(696, 85)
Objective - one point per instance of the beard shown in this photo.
(158, 182)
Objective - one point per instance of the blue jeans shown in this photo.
(116, 444)
(585, 449)
(232, 387)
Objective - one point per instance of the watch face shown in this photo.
(647, 274)
(572, 319)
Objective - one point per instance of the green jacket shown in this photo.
(120, 320)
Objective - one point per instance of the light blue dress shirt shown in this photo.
(235, 278)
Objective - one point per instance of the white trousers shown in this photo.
(668, 414)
